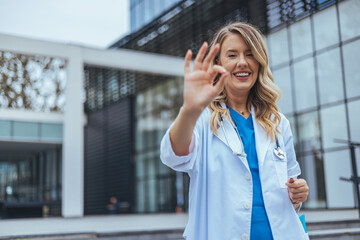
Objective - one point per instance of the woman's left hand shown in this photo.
(298, 190)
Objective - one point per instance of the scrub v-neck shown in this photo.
(260, 226)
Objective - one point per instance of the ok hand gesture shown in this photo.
(199, 89)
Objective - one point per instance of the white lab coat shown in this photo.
(220, 194)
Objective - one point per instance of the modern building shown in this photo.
(314, 48)
(104, 139)
(45, 134)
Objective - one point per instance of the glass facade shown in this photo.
(314, 62)
(144, 11)
(30, 169)
(30, 131)
(30, 180)
(155, 109)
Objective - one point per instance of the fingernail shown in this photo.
(223, 70)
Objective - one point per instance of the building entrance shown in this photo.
(30, 180)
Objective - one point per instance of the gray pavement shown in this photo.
(129, 223)
(92, 224)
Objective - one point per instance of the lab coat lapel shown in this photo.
(227, 134)
(262, 141)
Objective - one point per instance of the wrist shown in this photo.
(191, 111)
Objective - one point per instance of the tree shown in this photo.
(32, 82)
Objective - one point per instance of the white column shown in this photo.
(73, 139)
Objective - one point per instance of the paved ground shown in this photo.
(128, 223)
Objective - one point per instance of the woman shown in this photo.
(235, 145)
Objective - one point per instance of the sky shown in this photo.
(90, 23)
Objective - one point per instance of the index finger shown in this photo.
(210, 57)
(200, 56)
(296, 184)
(187, 61)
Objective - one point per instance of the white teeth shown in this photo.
(242, 74)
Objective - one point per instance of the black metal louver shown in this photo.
(106, 86)
(282, 12)
(108, 164)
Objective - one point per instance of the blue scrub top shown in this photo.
(260, 226)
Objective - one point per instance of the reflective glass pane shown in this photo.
(139, 167)
(309, 132)
(140, 196)
(157, 5)
(305, 84)
(326, 28)
(5, 129)
(333, 125)
(151, 184)
(351, 64)
(26, 130)
(149, 95)
(279, 51)
(330, 77)
(312, 169)
(155, 109)
(140, 101)
(283, 80)
(152, 172)
(139, 132)
(139, 15)
(50, 131)
(148, 11)
(349, 19)
(147, 135)
(301, 38)
(27, 179)
(338, 193)
(354, 119)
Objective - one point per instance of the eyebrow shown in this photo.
(233, 50)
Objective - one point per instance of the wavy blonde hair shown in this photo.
(264, 94)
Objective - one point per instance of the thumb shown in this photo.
(215, 70)
(290, 181)
(219, 85)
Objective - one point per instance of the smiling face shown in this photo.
(236, 57)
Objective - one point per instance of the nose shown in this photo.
(242, 62)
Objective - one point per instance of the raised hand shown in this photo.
(199, 89)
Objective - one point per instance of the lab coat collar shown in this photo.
(228, 135)
(262, 141)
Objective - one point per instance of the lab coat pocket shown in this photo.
(281, 170)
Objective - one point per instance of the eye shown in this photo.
(249, 55)
(231, 55)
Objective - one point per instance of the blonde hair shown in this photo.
(264, 94)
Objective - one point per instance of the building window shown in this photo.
(155, 109)
(318, 72)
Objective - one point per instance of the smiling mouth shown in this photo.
(242, 74)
